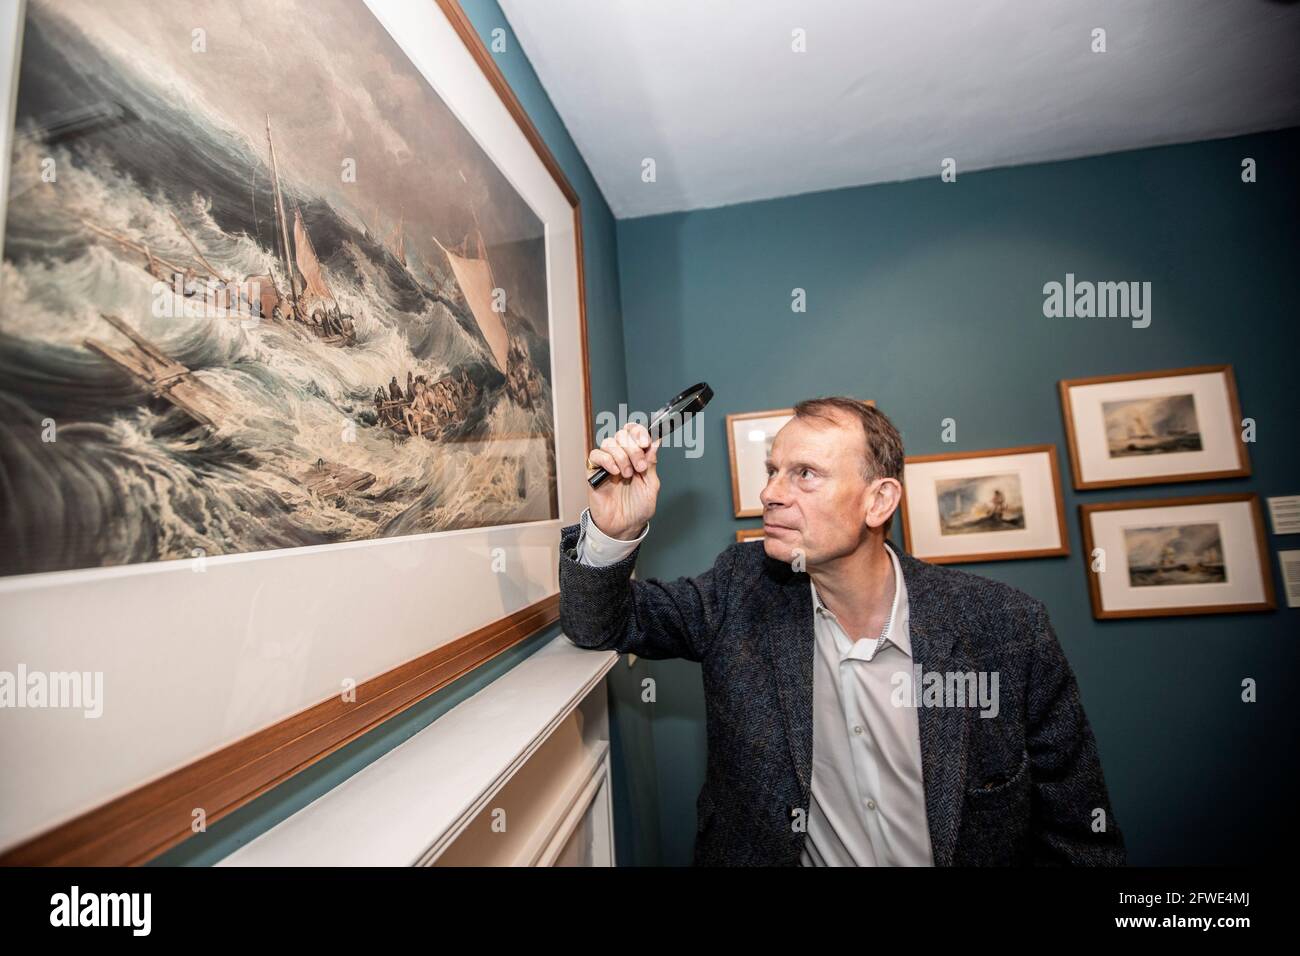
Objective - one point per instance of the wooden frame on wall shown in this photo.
(151, 818)
(1224, 435)
(1054, 546)
(1255, 550)
(741, 508)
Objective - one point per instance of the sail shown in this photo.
(475, 280)
(308, 264)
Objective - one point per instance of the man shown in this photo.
(815, 644)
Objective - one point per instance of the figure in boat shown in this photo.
(426, 409)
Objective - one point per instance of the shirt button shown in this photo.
(857, 730)
(871, 804)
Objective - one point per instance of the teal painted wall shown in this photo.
(634, 774)
(927, 297)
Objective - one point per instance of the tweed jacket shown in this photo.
(1023, 787)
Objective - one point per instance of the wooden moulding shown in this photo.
(158, 815)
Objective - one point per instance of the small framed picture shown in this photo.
(749, 442)
(1169, 556)
(750, 534)
(993, 505)
(1152, 427)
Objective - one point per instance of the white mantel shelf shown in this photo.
(412, 803)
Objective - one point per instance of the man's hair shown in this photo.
(884, 445)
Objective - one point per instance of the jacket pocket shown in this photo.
(1001, 791)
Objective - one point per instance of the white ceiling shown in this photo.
(711, 90)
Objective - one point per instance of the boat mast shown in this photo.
(280, 216)
(212, 270)
(482, 248)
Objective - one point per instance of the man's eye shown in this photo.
(804, 472)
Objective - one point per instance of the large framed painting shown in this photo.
(1173, 556)
(294, 390)
(992, 505)
(1145, 428)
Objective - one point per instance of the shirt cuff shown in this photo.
(598, 549)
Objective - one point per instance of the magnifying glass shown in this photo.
(679, 408)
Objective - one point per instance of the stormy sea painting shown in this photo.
(1175, 554)
(977, 505)
(261, 289)
(1157, 425)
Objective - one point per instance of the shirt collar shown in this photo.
(896, 628)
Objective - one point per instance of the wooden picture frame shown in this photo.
(116, 824)
(750, 534)
(1052, 540)
(742, 507)
(1090, 469)
(1243, 551)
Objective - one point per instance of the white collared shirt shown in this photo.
(868, 802)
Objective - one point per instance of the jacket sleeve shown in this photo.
(604, 608)
(1068, 786)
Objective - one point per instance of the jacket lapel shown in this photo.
(791, 647)
(942, 729)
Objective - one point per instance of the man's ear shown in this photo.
(884, 502)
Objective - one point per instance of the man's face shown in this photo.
(815, 501)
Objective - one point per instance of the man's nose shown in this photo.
(772, 493)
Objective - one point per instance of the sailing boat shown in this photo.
(1139, 427)
(474, 276)
(314, 307)
(509, 353)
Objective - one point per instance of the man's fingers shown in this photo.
(629, 451)
(619, 454)
(635, 453)
(603, 459)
